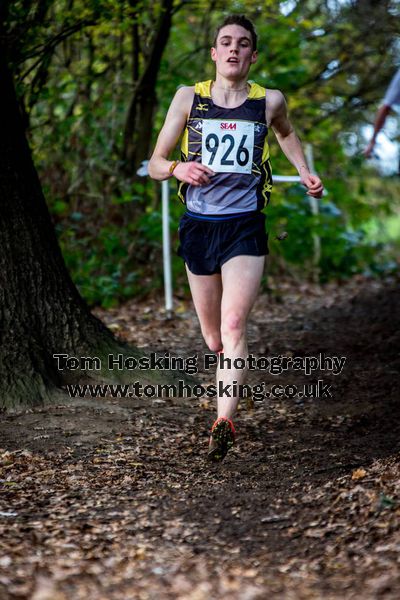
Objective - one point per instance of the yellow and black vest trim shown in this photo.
(228, 193)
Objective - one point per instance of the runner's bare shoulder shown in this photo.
(274, 97)
(183, 98)
(275, 102)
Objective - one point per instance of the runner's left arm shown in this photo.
(290, 143)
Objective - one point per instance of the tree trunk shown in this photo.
(41, 312)
(139, 121)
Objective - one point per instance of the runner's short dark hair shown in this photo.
(243, 22)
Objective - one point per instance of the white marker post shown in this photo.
(166, 248)
(314, 210)
(167, 269)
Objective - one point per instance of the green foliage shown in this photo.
(347, 233)
(77, 66)
(96, 264)
(112, 260)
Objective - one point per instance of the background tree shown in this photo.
(41, 311)
(139, 121)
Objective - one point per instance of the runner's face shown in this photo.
(233, 54)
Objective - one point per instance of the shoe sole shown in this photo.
(223, 439)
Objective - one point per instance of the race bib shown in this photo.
(227, 146)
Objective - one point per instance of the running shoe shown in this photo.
(222, 438)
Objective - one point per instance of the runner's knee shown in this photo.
(232, 326)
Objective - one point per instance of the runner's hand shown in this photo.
(193, 172)
(313, 184)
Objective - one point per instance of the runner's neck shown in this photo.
(229, 94)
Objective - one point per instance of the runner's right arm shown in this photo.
(159, 166)
(380, 119)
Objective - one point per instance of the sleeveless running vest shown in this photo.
(233, 143)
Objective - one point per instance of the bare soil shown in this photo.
(113, 498)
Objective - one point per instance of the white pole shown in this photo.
(286, 178)
(314, 210)
(143, 172)
(166, 247)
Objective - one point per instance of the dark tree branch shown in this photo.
(141, 110)
(50, 46)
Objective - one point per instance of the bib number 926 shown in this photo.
(227, 146)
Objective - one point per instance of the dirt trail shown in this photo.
(113, 499)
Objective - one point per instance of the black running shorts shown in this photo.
(205, 245)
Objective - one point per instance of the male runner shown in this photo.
(392, 98)
(225, 181)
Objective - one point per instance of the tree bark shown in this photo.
(41, 311)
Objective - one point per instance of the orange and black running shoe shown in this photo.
(222, 438)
